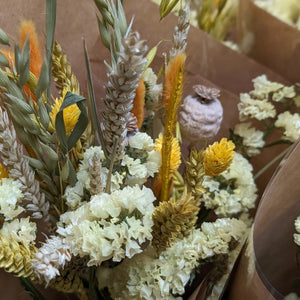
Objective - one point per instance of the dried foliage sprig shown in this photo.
(181, 32)
(120, 91)
(12, 157)
(194, 174)
(173, 220)
(62, 71)
(172, 99)
(16, 257)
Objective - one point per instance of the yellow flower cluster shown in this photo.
(218, 157)
(71, 113)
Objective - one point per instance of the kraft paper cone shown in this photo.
(268, 40)
(209, 62)
(268, 268)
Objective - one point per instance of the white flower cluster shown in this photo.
(138, 172)
(51, 256)
(287, 11)
(233, 191)
(10, 198)
(297, 235)
(252, 138)
(291, 125)
(109, 225)
(257, 105)
(148, 277)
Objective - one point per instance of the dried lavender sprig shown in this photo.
(12, 157)
(181, 32)
(123, 80)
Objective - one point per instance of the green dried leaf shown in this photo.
(72, 178)
(24, 63)
(68, 143)
(104, 33)
(50, 29)
(64, 174)
(3, 38)
(51, 154)
(92, 104)
(3, 60)
(101, 4)
(166, 6)
(35, 163)
(121, 18)
(20, 104)
(43, 114)
(44, 80)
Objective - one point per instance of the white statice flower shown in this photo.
(263, 87)
(147, 277)
(10, 198)
(252, 138)
(51, 256)
(21, 230)
(233, 191)
(109, 226)
(291, 125)
(285, 92)
(297, 235)
(73, 195)
(154, 90)
(253, 108)
(139, 171)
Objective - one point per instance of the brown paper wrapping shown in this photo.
(268, 40)
(209, 62)
(268, 268)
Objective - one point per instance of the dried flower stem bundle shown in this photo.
(12, 156)
(172, 98)
(173, 220)
(62, 72)
(123, 80)
(16, 257)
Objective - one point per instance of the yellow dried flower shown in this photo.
(175, 159)
(173, 220)
(3, 172)
(71, 113)
(218, 157)
(16, 257)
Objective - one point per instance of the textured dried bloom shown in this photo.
(173, 220)
(194, 173)
(123, 81)
(16, 257)
(70, 113)
(132, 124)
(11, 154)
(3, 172)
(297, 235)
(218, 157)
(206, 93)
(175, 157)
(50, 257)
(62, 72)
(36, 60)
(253, 108)
(95, 171)
(290, 124)
(252, 139)
(139, 102)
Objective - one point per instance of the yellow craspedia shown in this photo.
(175, 159)
(71, 113)
(218, 157)
(3, 172)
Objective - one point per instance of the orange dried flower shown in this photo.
(3, 172)
(218, 157)
(139, 102)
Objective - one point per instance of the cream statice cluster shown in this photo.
(149, 277)
(139, 163)
(233, 191)
(287, 11)
(259, 104)
(297, 235)
(109, 226)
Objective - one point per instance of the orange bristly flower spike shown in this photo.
(36, 60)
(172, 98)
(139, 102)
